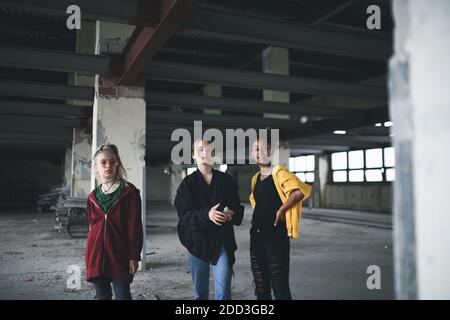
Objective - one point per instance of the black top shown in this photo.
(267, 204)
(196, 231)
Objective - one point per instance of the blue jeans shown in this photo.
(103, 288)
(200, 277)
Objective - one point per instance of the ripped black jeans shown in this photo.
(269, 258)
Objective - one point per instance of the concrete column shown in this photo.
(79, 178)
(176, 176)
(321, 178)
(119, 117)
(276, 61)
(420, 108)
(81, 162)
(212, 91)
(68, 167)
(119, 113)
(85, 44)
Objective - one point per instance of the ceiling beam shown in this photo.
(112, 10)
(235, 27)
(45, 90)
(33, 121)
(53, 60)
(145, 42)
(35, 137)
(343, 141)
(229, 26)
(248, 105)
(168, 71)
(230, 121)
(317, 12)
(41, 109)
(178, 72)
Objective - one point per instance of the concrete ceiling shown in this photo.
(333, 62)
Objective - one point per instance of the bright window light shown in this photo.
(389, 157)
(300, 164)
(340, 132)
(374, 175)
(291, 164)
(310, 177)
(390, 174)
(356, 159)
(340, 176)
(388, 124)
(377, 124)
(301, 176)
(356, 175)
(310, 163)
(374, 158)
(339, 160)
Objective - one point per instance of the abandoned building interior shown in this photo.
(357, 92)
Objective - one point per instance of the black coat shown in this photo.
(202, 237)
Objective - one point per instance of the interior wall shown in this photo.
(158, 184)
(376, 197)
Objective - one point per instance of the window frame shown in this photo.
(305, 172)
(384, 168)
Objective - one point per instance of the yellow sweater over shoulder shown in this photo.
(286, 182)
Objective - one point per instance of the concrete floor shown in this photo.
(329, 261)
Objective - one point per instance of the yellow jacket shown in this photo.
(286, 182)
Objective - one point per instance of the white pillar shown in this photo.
(176, 176)
(68, 168)
(81, 162)
(322, 178)
(276, 61)
(119, 113)
(420, 108)
(119, 117)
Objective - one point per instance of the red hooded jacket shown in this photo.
(115, 237)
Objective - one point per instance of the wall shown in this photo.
(158, 184)
(376, 197)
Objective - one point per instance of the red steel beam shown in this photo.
(145, 42)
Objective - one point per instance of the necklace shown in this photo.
(109, 188)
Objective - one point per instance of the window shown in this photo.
(303, 167)
(339, 160)
(371, 165)
(389, 163)
(356, 159)
(374, 158)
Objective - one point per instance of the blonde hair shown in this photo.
(121, 174)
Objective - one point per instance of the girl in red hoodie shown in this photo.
(115, 237)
